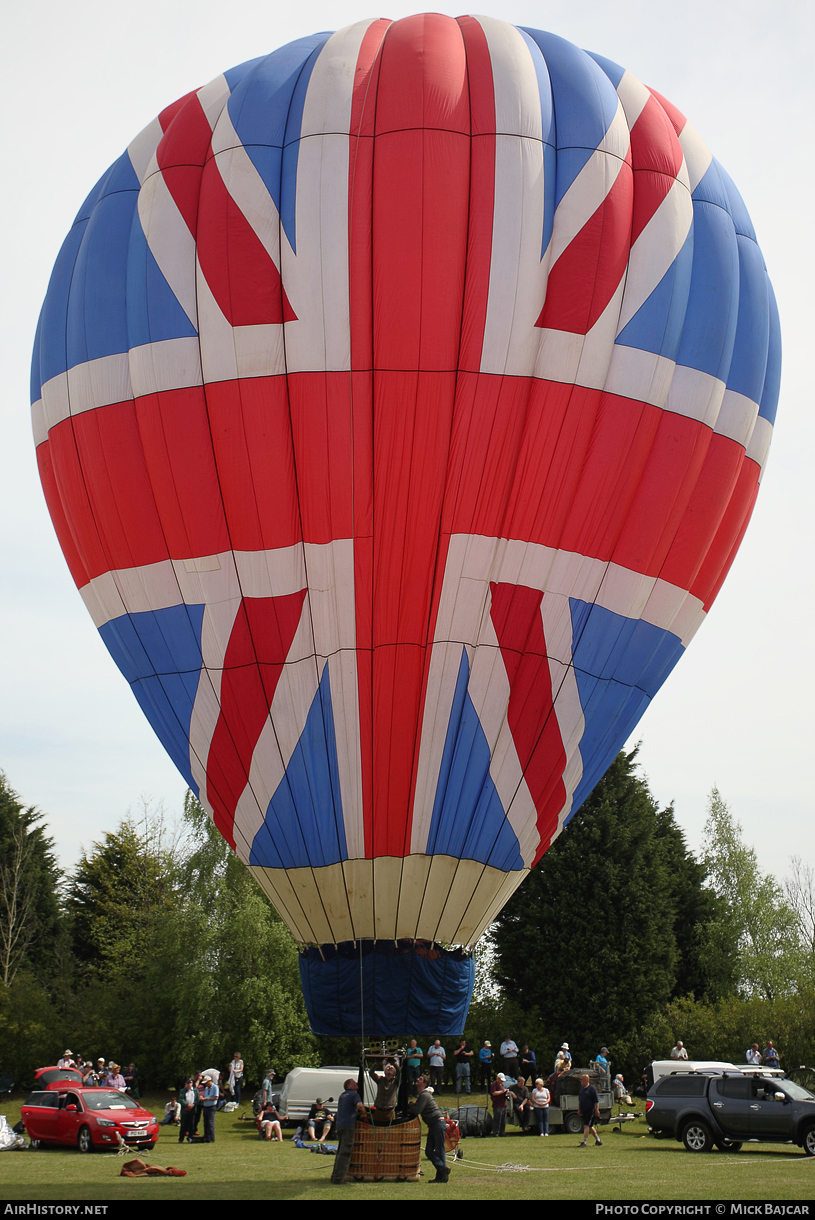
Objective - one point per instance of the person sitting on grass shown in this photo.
(268, 1122)
(318, 1115)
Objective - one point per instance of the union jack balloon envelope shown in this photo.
(401, 399)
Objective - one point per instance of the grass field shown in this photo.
(631, 1166)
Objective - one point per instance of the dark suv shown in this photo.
(702, 1109)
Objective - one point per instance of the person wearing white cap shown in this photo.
(498, 1094)
(564, 1058)
(67, 1060)
(209, 1096)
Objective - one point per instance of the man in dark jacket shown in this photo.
(425, 1108)
(348, 1107)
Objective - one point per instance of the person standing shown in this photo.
(414, 1063)
(498, 1093)
(425, 1108)
(187, 1101)
(679, 1051)
(236, 1077)
(529, 1066)
(267, 1086)
(588, 1103)
(387, 1089)
(770, 1056)
(209, 1099)
(754, 1055)
(437, 1056)
(349, 1107)
(131, 1076)
(602, 1061)
(540, 1100)
(463, 1055)
(509, 1054)
(485, 1061)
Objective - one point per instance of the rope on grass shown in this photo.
(513, 1167)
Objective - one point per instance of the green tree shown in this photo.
(116, 898)
(799, 891)
(225, 972)
(704, 968)
(29, 889)
(755, 913)
(592, 937)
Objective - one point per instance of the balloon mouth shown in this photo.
(385, 988)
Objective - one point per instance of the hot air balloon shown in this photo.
(401, 398)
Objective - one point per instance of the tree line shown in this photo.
(622, 937)
(159, 948)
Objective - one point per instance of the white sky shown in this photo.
(85, 77)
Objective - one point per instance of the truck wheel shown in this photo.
(808, 1140)
(696, 1137)
(573, 1123)
(729, 1145)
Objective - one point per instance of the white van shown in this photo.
(664, 1067)
(303, 1085)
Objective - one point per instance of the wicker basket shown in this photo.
(386, 1154)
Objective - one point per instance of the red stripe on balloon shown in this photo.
(167, 115)
(176, 441)
(482, 192)
(181, 155)
(410, 184)
(241, 275)
(678, 120)
(717, 562)
(656, 157)
(588, 272)
(516, 616)
(261, 639)
(59, 515)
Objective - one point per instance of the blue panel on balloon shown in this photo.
(406, 987)
(97, 305)
(266, 110)
(657, 324)
(303, 825)
(159, 652)
(468, 820)
(154, 312)
(620, 664)
(584, 100)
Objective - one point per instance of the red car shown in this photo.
(56, 1078)
(88, 1118)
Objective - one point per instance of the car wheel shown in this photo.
(35, 1145)
(85, 1140)
(697, 1138)
(808, 1140)
(574, 1124)
(729, 1145)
